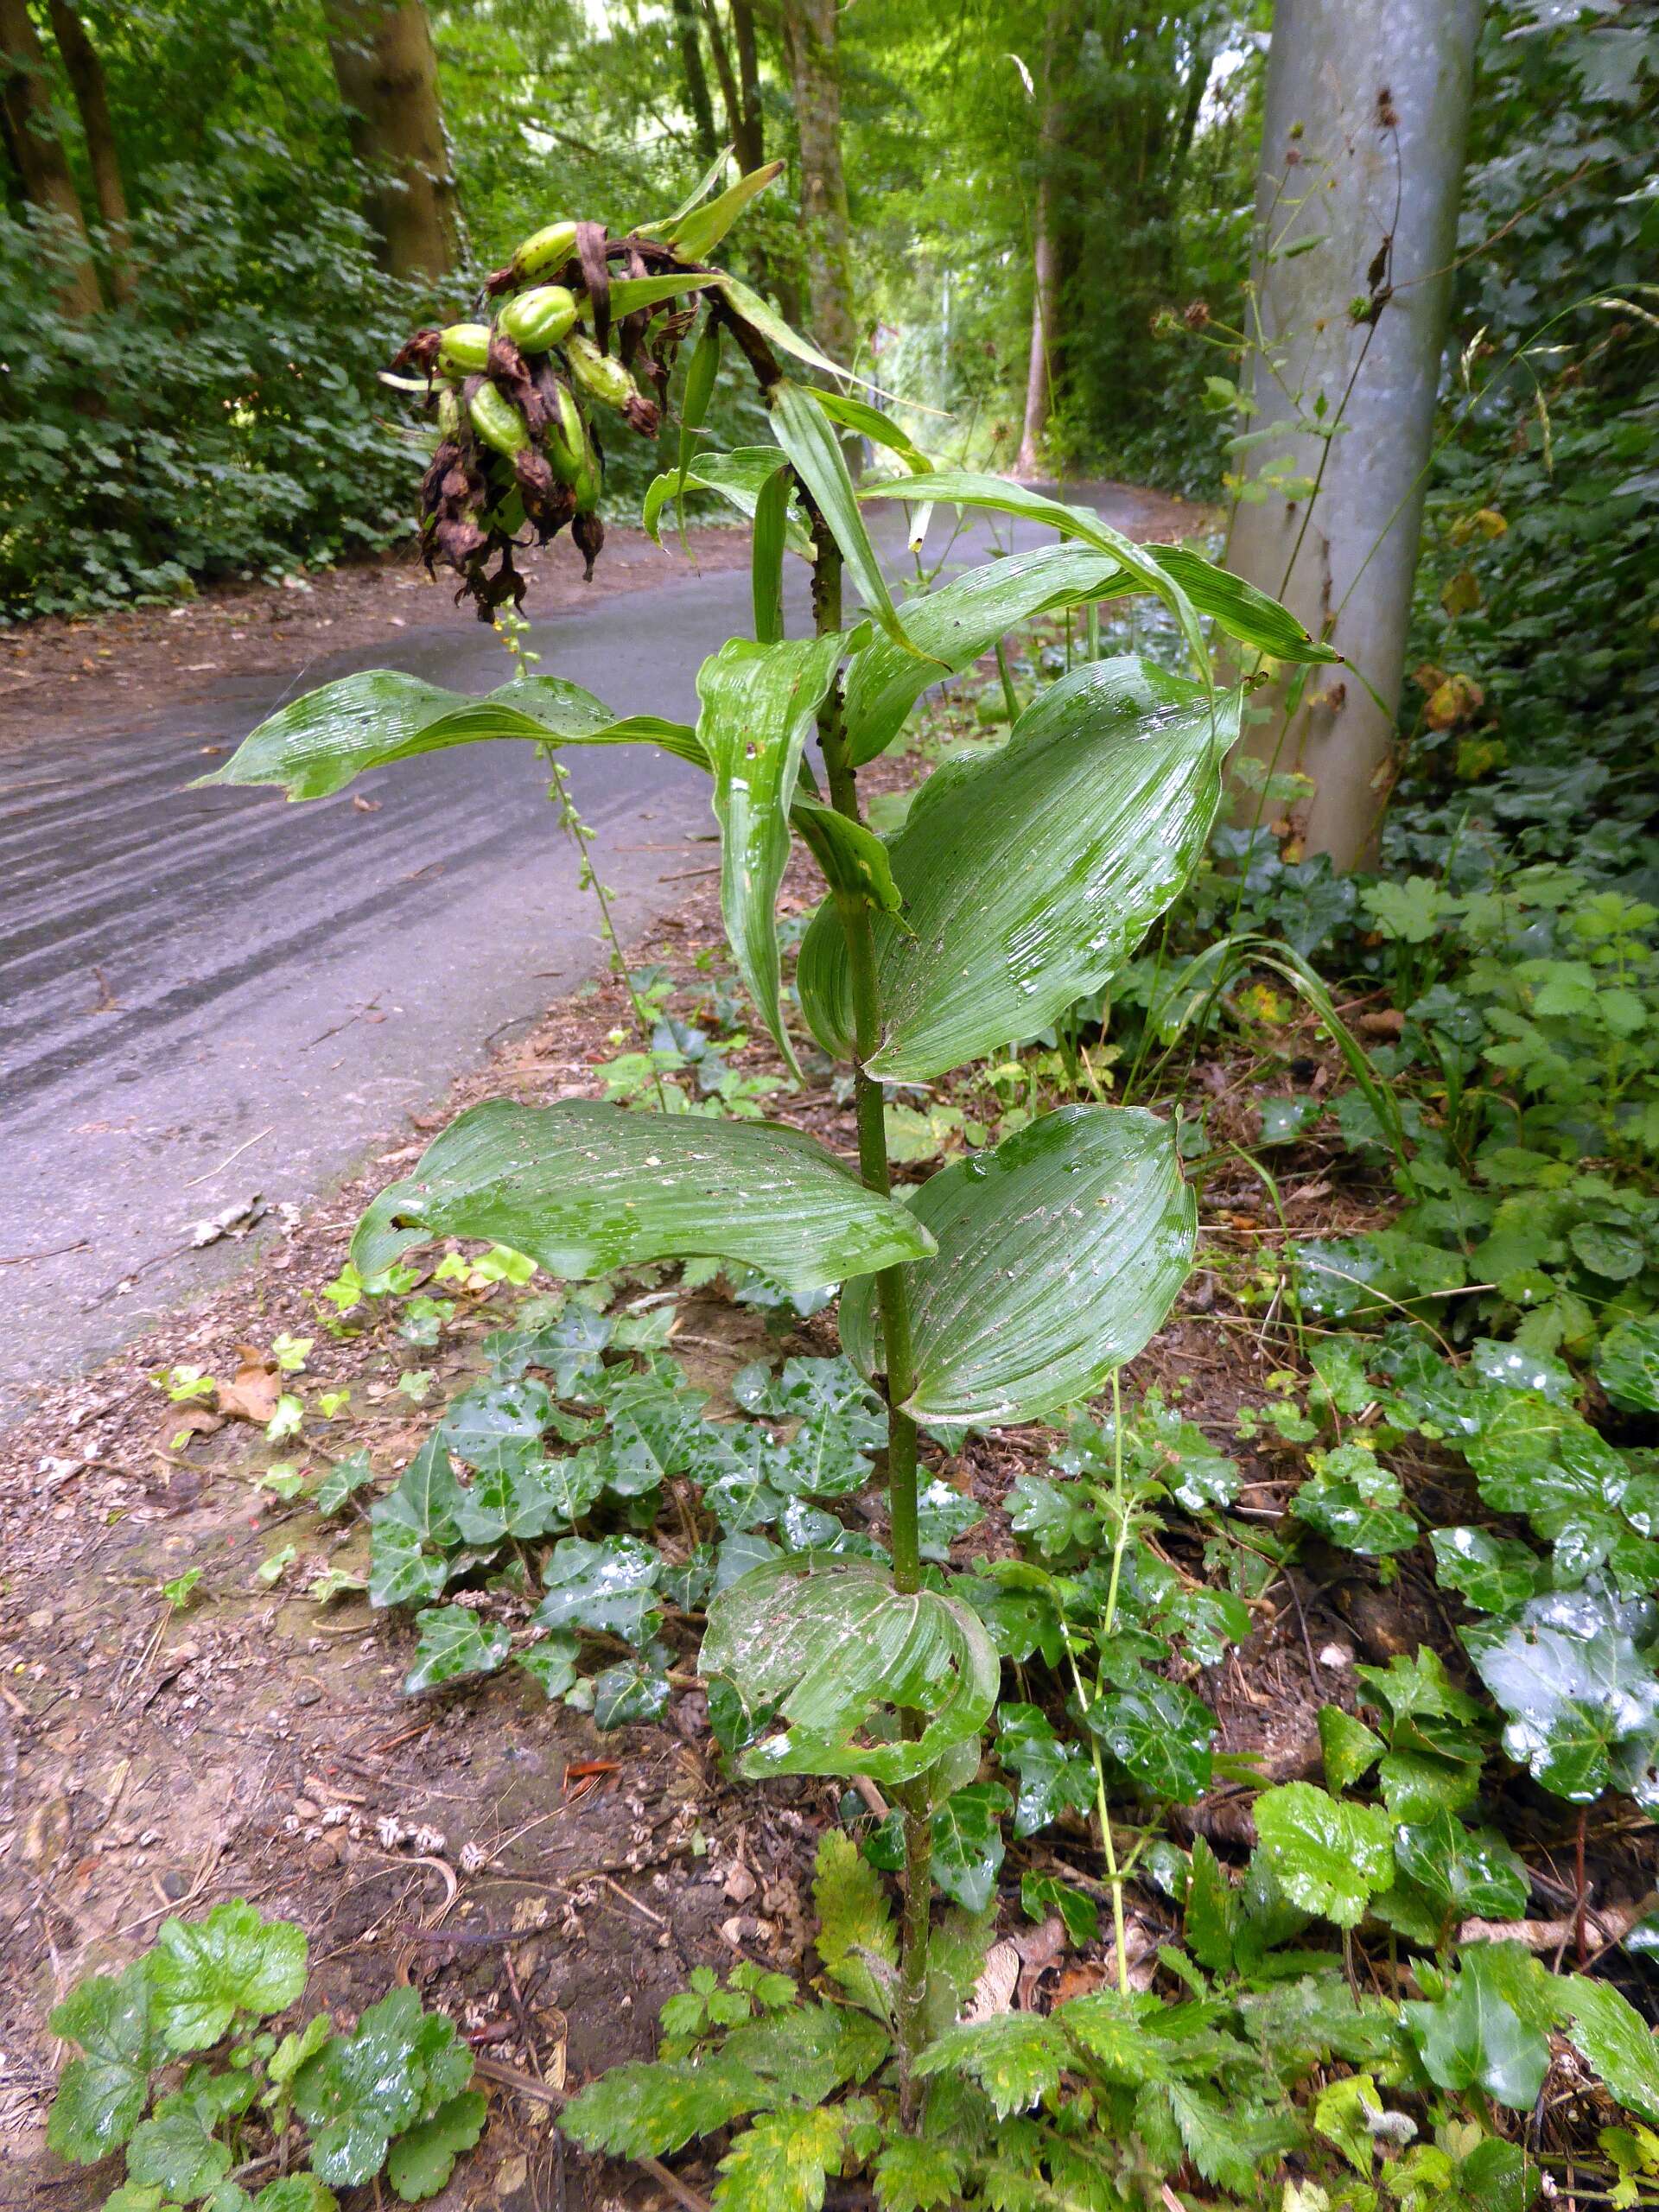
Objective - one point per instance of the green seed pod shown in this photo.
(498, 422)
(538, 318)
(587, 482)
(549, 248)
(597, 373)
(464, 348)
(448, 413)
(508, 513)
(565, 442)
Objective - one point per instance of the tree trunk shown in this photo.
(48, 183)
(1045, 268)
(86, 75)
(1362, 143)
(751, 122)
(724, 71)
(388, 78)
(809, 44)
(697, 78)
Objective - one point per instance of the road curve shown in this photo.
(208, 994)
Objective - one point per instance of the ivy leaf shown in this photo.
(202, 1973)
(632, 1690)
(832, 1645)
(608, 1587)
(177, 2152)
(1356, 1503)
(840, 1421)
(454, 1642)
(914, 2175)
(1057, 1517)
(1160, 1734)
(1462, 1871)
(512, 1501)
(412, 1529)
(651, 2111)
(1015, 2059)
(343, 1481)
(1492, 1574)
(421, 2161)
(856, 1937)
(495, 1426)
(552, 1664)
(362, 2089)
(968, 1843)
(1054, 1776)
(1582, 1701)
(101, 2095)
(782, 2163)
(1329, 1858)
(1489, 2029)
(567, 1348)
(943, 1515)
(1348, 1745)
(1619, 2043)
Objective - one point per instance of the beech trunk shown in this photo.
(388, 78)
(86, 73)
(1362, 147)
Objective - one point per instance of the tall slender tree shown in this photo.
(34, 144)
(85, 71)
(1045, 257)
(388, 78)
(1361, 173)
(697, 77)
(810, 43)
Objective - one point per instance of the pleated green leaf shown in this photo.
(317, 744)
(1029, 875)
(851, 857)
(759, 706)
(1172, 571)
(702, 230)
(962, 487)
(839, 1653)
(584, 1188)
(756, 312)
(957, 624)
(1059, 1253)
(740, 477)
(805, 432)
(767, 541)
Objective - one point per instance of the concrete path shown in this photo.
(205, 994)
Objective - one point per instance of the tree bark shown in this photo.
(388, 78)
(1044, 267)
(48, 182)
(86, 73)
(810, 45)
(751, 122)
(697, 78)
(724, 71)
(1363, 145)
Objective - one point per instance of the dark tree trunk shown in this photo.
(814, 68)
(697, 78)
(751, 131)
(48, 183)
(86, 75)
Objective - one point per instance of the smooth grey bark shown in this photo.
(1363, 150)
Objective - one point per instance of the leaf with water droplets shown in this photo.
(759, 706)
(1031, 874)
(841, 1655)
(585, 1188)
(316, 744)
(1059, 1253)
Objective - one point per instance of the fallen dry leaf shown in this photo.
(253, 1394)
